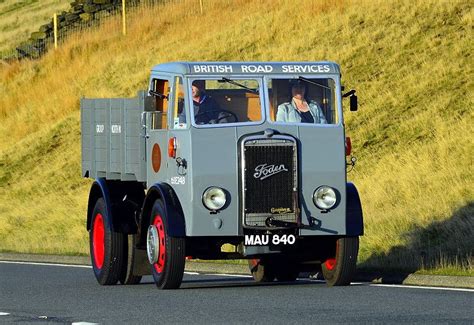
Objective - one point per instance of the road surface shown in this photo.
(62, 294)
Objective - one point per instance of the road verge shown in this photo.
(224, 268)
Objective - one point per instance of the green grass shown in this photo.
(448, 271)
(410, 61)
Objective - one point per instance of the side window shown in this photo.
(160, 91)
(179, 111)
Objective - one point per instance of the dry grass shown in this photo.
(410, 61)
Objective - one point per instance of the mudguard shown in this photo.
(121, 212)
(174, 221)
(354, 218)
(99, 189)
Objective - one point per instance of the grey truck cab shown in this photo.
(252, 155)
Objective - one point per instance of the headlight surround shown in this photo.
(324, 197)
(214, 198)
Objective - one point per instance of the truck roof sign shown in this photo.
(209, 68)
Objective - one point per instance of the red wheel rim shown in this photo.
(331, 262)
(98, 243)
(160, 264)
(255, 262)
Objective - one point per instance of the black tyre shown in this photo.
(106, 247)
(339, 269)
(261, 270)
(126, 276)
(165, 253)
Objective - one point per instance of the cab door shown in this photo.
(156, 122)
(179, 159)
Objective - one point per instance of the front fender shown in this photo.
(354, 217)
(174, 220)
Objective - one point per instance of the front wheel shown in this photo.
(339, 269)
(166, 254)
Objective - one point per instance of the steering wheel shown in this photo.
(223, 114)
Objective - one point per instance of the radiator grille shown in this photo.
(269, 181)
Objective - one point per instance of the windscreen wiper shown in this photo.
(313, 82)
(255, 91)
(157, 94)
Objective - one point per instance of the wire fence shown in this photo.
(87, 15)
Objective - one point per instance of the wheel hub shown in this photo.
(152, 244)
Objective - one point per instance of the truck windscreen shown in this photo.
(224, 100)
(302, 100)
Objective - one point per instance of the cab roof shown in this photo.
(250, 68)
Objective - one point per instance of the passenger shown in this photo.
(206, 109)
(300, 109)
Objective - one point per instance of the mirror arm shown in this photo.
(349, 93)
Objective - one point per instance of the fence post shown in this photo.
(55, 30)
(124, 20)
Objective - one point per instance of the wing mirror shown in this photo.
(353, 100)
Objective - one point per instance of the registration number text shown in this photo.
(255, 240)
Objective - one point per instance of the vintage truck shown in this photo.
(223, 160)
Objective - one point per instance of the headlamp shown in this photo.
(214, 198)
(324, 197)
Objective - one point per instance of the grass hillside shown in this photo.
(18, 19)
(410, 61)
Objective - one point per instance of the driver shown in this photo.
(206, 109)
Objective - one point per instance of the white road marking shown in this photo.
(402, 286)
(312, 280)
(4, 314)
(191, 273)
(419, 287)
(47, 264)
(230, 275)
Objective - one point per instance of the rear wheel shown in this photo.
(127, 277)
(166, 254)
(339, 269)
(106, 246)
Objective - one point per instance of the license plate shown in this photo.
(264, 240)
